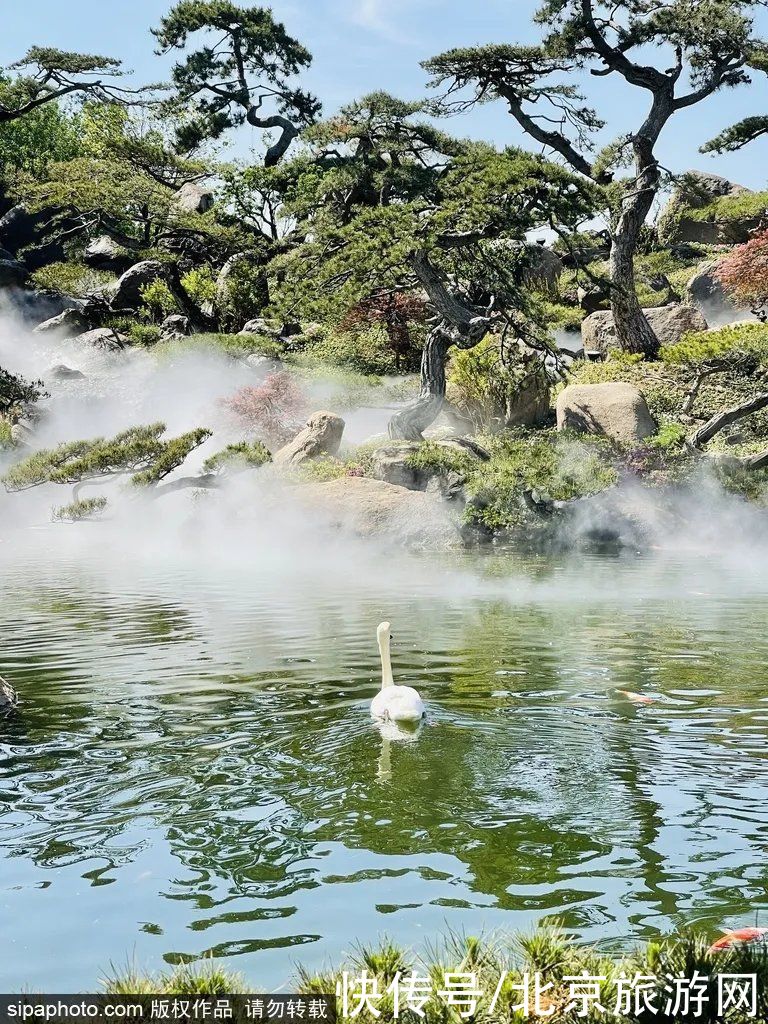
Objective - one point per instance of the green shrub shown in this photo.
(158, 302)
(367, 351)
(72, 279)
(144, 334)
(235, 345)
(236, 457)
(560, 316)
(729, 341)
(322, 469)
(87, 508)
(558, 464)
(6, 441)
(481, 383)
(743, 206)
(200, 284)
(431, 455)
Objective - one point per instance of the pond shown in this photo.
(194, 769)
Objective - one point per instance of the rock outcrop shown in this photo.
(613, 409)
(127, 291)
(12, 273)
(697, 190)
(373, 508)
(393, 464)
(70, 322)
(704, 288)
(193, 198)
(105, 338)
(104, 253)
(669, 323)
(321, 436)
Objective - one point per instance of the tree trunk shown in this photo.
(461, 325)
(633, 332)
(410, 423)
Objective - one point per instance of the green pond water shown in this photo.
(194, 770)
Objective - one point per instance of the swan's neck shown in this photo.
(386, 665)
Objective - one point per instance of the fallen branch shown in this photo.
(723, 419)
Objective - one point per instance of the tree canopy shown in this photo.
(700, 47)
(46, 75)
(246, 63)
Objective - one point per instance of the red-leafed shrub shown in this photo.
(744, 275)
(274, 409)
(397, 314)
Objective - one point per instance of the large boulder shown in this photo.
(669, 323)
(127, 291)
(321, 436)
(393, 463)
(266, 328)
(70, 322)
(18, 228)
(12, 273)
(62, 372)
(193, 198)
(705, 290)
(104, 253)
(613, 409)
(697, 190)
(104, 338)
(373, 508)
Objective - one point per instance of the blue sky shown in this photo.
(361, 45)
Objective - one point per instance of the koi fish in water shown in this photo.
(637, 698)
(740, 937)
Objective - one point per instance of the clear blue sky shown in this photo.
(360, 45)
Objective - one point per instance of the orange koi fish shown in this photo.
(739, 937)
(637, 698)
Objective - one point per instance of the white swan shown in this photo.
(394, 703)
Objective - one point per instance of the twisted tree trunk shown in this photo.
(461, 325)
(410, 423)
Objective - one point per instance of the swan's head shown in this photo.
(383, 634)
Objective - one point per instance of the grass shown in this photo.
(498, 965)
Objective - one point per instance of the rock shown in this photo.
(104, 253)
(530, 405)
(21, 436)
(696, 190)
(175, 327)
(12, 273)
(70, 322)
(18, 228)
(541, 268)
(263, 364)
(193, 198)
(669, 323)
(33, 306)
(704, 289)
(6, 256)
(127, 291)
(105, 338)
(259, 326)
(321, 436)
(373, 508)
(390, 463)
(614, 409)
(62, 372)
(592, 299)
